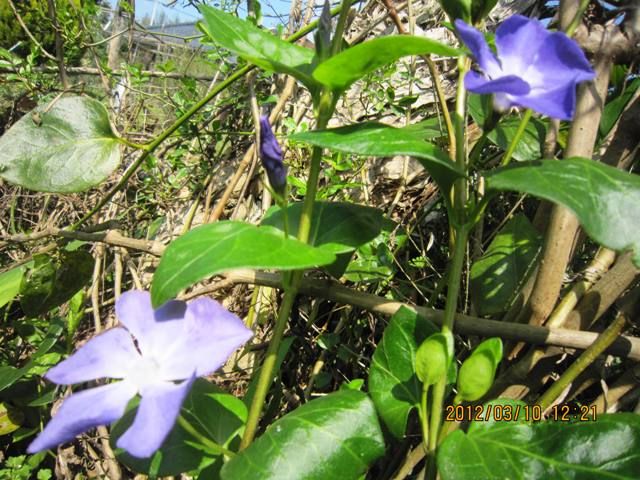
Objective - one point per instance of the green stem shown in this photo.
(424, 417)
(291, 282)
(578, 18)
(210, 444)
(131, 144)
(516, 139)
(587, 358)
(336, 46)
(267, 370)
(460, 234)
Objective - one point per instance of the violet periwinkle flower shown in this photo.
(534, 68)
(271, 156)
(178, 341)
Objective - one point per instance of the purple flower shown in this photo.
(178, 341)
(271, 156)
(535, 68)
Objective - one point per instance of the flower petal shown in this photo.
(82, 411)
(109, 354)
(211, 334)
(151, 328)
(559, 59)
(516, 38)
(158, 410)
(475, 41)
(558, 103)
(511, 84)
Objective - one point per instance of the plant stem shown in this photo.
(210, 444)
(576, 20)
(460, 233)
(424, 417)
(336, 46)
(516, 139)
(267, 370)
(292, 280)
(587, 358)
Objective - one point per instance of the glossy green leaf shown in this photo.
(216, 415)
(379, 140)
(606, 448)
(54, 280)
(605, 200)
(336, 436)
(10, 284)
(477, 372)
(393, 383)
(340, 71)
(531, 144)
(64, 146)
(336, 226)
(433, 358)
(496, 277)
(258, 46)
(222, 246)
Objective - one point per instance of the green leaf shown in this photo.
(433, 358)
(336, 436)
(477, 372)
(340, 71)
(379, 140)
(214, 414)
(530, 146)
(54, 280)
(64, 146)
(614, 108)
(336, 226)
(9, 375)
(10, 284)
(506, 264)
(606, 448)
(258, 46)
(510, 410)
(605, 200)
(222, 246)
(393, 383)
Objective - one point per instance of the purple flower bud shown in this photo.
(534, 68)
(176, 342)
(271, 156)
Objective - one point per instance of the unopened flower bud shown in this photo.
(271, 156)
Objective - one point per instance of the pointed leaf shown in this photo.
(258, 46)
(64, 146)
(222, 246)
(336, 226)
(379, 140)
(606, 448)
(605, 200)
(336, 436)
(10, 284)
(340, 71)
(504, 266)
(393, 383)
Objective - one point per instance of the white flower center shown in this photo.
(144, 372)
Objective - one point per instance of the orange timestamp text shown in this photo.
(510, 413)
